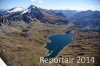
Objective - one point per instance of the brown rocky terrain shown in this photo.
(23, 38)
(25, 47)
(85, 44)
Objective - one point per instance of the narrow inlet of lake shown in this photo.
(58, 42)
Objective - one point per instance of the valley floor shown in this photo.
(26, 48)
(85, 45)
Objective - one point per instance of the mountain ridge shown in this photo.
(31, 13)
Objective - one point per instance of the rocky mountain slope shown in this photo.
(24, 33)
(32, 13)
(18, 18)
(86, 20)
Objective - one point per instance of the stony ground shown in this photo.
(85, 44)
(25, 47)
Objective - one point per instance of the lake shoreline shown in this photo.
(47, 54)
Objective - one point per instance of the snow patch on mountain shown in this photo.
(29, 9)
(24, 12)
(16, 9)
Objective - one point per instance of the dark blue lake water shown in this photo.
(58, 42)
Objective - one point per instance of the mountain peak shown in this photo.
(29, 9)
(32, 6)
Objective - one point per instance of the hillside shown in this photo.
(30, 14)
(86, 20)
(24, 34)
(24, 47)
